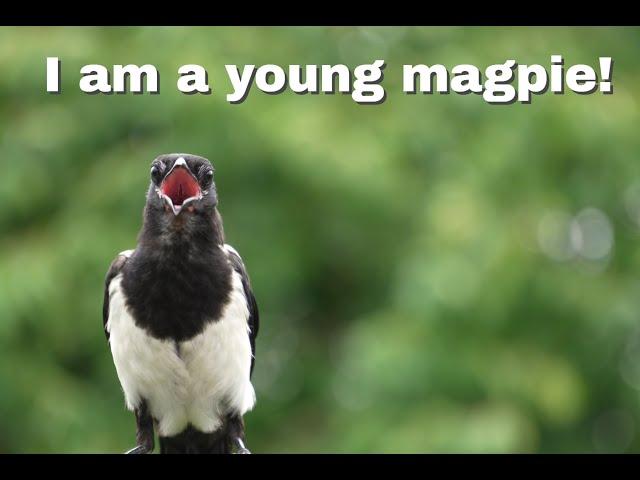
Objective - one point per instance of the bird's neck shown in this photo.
(183, 235)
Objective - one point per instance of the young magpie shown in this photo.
(181, 319)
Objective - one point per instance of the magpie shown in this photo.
(181, 319)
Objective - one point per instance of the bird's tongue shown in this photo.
(179, 186)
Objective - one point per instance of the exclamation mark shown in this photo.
(605, 75)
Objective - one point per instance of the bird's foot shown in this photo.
(140, 449)
(240, 448)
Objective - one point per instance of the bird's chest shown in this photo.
(192, 381)
(175, 297)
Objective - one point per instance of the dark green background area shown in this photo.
(435, 274)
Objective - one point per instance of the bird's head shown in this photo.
(182, 184)
(182, 194)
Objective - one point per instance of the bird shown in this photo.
(181, 319)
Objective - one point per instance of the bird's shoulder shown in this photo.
(234, 257)
(238, 265)
(116, 267)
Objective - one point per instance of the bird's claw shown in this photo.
(137, 450)
(240, 448)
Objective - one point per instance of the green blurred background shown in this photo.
(435, 274)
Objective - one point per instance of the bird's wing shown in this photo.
(115, 268)
(254, 317)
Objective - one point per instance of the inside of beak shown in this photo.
(180, 186)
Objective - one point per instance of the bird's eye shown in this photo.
(156, 174)
(208, 176)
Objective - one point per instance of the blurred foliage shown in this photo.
(435, 274)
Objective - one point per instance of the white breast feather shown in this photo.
(209, 376)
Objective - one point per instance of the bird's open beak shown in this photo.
(179, 187)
